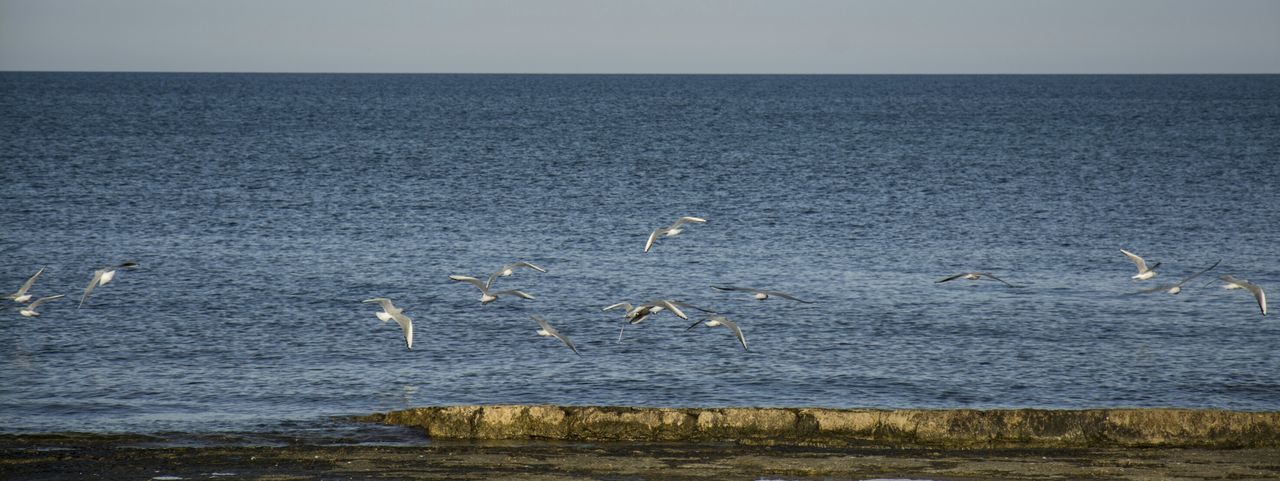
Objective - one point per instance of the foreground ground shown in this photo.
(99, 457)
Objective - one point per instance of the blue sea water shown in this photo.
(263, 208)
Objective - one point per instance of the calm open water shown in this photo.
(264, 208)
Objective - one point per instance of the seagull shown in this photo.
(391, 312)
(102, 276)
(21, 295)
(29, 310)
(973, 276)
(636, 314)
(546, 330)
(486, 296)
(1176, 288)
(761, 294)
(509, 269)
(723, 321)
(669, 231)
(1144, 272)
(1234, 283)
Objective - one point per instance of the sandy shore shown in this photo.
(49, 457)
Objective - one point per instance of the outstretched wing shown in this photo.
(471, 280)
(984, 274)
(1198, 274)
(674, 310)
(690, 306)
(952, 278)
(384, 302)
(626, 306)
(406, 325)
(733, 288)
(685, 219)
(30, 282)
(652, 237)
(42, 300)
(511, 292)
(733, 326)
(1137, 261)
(97, 276)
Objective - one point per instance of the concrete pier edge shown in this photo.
(940, 428)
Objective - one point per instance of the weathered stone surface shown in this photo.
(959, 428)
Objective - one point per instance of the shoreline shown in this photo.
(583, 442)
(896, 428)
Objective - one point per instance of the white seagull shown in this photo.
(760, 293)
(635, 314)
(29, 310)
(1235, 283)
(21, 295)
(1176, 288)
(1144, 272)
(724, 321)
(486, 296)
(546, 330)
(102, 276)
(669, 231)
(509, 269)
(973, 276)
(391, 312)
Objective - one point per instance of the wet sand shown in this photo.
(59, 457)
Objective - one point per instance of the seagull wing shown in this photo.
(97, 276)
(406, 325)
(554, 333)
(952, 278)
(1257, 294)
(687, 219)
(995, 278)
(471, 280)
(626, 306)
(511, 292)
(30, 282)
(384, 302)
(1142, 264)
(42, 300)
(733, 326)
(691, 306)
(524, 264)
(674, 310)
(652, 237)
(785, 296)
(733, 288)
(1193, 276)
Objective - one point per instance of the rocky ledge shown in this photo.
(952, 428)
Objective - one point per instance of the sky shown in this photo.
(650, 36)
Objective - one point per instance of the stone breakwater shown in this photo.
(952, 429)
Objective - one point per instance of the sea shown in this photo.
(262, 209)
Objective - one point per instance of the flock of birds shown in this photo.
(632, 314)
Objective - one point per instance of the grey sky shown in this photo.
(664, 36)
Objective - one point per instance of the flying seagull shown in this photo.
(486, 296)
(510, 269)
(669, 231)
(546, 330)
(723, 321)
(973, 276)
(102, 276)
(21, 295)
(760, 293)
(391, 312)
(636, 314)
(1144, 272)
(29, 310)
(1176, 288)
(1235, 283)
